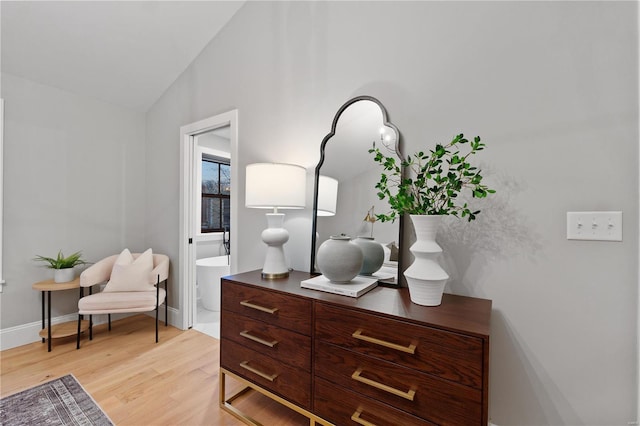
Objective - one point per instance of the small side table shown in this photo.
(59, 330)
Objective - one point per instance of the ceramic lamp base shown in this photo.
(275, 265)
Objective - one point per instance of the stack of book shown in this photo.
(355, 288)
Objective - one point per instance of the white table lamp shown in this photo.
(275, 186)
(327, 196)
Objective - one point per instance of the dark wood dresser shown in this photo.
(374, 360)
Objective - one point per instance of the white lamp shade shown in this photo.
(327, 196)
(273, 185)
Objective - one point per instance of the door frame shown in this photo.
(188, 195)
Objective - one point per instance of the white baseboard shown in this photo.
(174, 317)
(28, 333)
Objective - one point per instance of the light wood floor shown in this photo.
(138, 382)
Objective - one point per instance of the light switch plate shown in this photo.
(595, 226)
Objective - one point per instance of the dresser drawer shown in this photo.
(282, 310)
(278, 377)
(433, 399)
(343, 407)
(288, 346)
(452, 356)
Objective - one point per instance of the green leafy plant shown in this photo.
(62, 262)
(433, 180)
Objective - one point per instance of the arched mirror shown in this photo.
(345, 197)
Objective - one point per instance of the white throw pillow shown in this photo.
(131, 275)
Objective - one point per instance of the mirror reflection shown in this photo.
(345, 199)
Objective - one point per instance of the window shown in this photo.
(216, 190)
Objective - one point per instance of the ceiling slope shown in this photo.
(125, 53)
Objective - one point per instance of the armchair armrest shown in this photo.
(98, 273)
(161, 268)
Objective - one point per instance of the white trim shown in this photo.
(188, 195)
(213, 152)
(211, 236)
(186, 250)
(638, 246)
(28, 333)
(1, 187)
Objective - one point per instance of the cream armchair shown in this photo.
(123, 295)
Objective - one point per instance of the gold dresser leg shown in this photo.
(225, 403)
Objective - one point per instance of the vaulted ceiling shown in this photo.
(123, 52)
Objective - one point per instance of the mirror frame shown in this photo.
(385, 122)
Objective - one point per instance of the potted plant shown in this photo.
(427, 187)
(62, 266)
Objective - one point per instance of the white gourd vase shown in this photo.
(373, 254)
(339, 259)
(425, 277)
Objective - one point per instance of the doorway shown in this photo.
(204, 139)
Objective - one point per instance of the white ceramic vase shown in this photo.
(425, 277)
(63, 275)
(339, 259)
(373, 254)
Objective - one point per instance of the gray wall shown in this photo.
(552, 87)
(74, 179)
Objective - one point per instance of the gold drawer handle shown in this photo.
(406, 395)
(269, 377)
(411, 349)
(250, 336)
(258, 307)
(356, 418)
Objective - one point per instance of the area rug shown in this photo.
(62, 401)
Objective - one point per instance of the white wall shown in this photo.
(552, 89)
(74, 175)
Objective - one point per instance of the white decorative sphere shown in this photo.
(373, 254)
(339, 259)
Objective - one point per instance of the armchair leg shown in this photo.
(78, 335)
(109, 315)
(157, 323)
(90, 327)
(166, 309)
(79, 319)
(157, 305)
